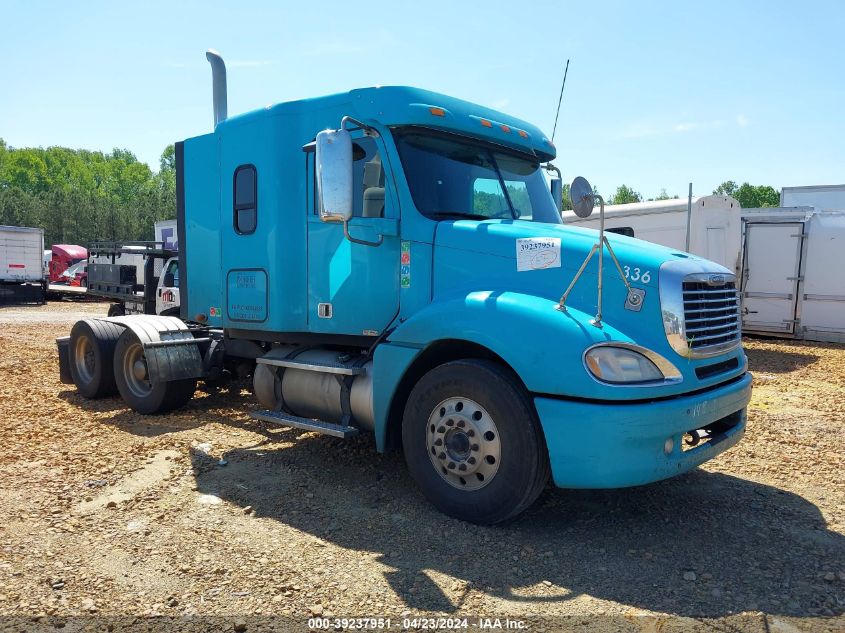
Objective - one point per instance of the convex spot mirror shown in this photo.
(334, 175)
(583, 199)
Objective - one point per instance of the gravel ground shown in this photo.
(206, 512)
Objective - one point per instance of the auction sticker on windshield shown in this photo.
(537, 253)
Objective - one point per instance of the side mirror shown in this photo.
(169, 280)
(583, 199)
(334, 175)
(556, 186)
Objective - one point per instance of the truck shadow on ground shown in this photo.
(778, 361)
(197, 413)
(751, 546)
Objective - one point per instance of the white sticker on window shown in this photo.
(536, 253)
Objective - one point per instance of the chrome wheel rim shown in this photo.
(135, 371)
(463, 443)
(83, 355)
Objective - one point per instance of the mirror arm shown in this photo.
(355, 240)
(550, 167)
(369, 131)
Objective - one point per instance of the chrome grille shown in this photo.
(711, 314)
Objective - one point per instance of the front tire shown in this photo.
(131, 376)
(473, 443)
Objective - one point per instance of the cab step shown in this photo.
(327, 368)
(306, 424)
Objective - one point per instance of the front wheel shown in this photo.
(473, 443)
(133, 382)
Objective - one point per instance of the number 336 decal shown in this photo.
(636, 275)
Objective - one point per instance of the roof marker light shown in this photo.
(486, 123)
(437, 111)
(523, 134)
(505, 129)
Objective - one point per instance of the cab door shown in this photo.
(353, 288)
(167, 293)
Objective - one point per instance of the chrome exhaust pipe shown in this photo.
(218, 78)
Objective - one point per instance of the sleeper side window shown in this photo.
(245, 199)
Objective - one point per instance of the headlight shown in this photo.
(623, 363)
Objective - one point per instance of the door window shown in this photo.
(173, 269)
(368, 180)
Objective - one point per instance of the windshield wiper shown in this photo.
(462, 216)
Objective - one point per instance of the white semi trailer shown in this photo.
(712, 223)
(21, 265)
(820, 197)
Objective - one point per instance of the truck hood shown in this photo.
(541, 260)
(511, 274)
(533, 249)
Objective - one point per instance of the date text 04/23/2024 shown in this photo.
(412, 623)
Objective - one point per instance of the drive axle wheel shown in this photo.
(92, 344)
(133, 380)
(473, 443)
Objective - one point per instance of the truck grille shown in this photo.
(711, 314)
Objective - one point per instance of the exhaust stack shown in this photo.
(218, 78)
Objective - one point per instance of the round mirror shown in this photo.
(581, 194)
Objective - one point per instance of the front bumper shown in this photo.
(614, 445)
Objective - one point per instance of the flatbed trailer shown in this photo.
(135, 288)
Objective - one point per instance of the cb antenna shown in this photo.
(560, 100)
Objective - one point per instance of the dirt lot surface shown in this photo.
(206, 512)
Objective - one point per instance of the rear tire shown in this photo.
(142, 396)
(473, 442)
(92, 344)
(116, 310)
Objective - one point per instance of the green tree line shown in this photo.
(80, 196)
(749, 196)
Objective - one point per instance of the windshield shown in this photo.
(78, 267)
(453, 177)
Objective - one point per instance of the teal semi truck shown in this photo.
(391, 261)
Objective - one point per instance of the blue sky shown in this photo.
(658, 94)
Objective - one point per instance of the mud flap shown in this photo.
(63, 345)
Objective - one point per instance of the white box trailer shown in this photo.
(21, 264)
(21, 254)
(791, 280)
(820, 197)
(714, 225)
